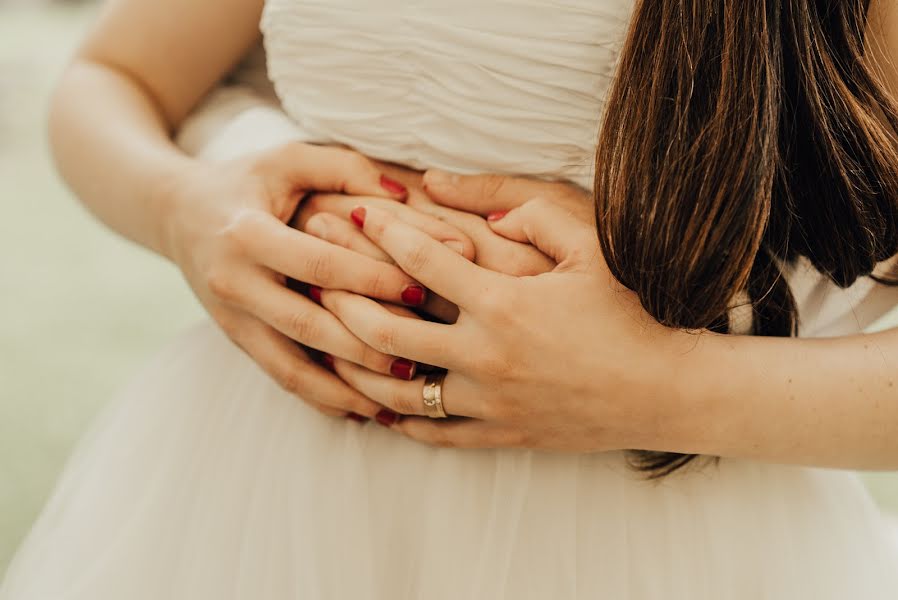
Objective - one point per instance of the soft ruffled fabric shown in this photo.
(434, 84)
(205, 481)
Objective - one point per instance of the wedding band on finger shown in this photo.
(433, 396)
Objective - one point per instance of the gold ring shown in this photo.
(433, 396)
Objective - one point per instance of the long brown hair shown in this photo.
(738, 136)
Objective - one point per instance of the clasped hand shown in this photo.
(544, 349)
(565, 359)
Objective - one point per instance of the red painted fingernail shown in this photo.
(357, 417)
(403, 369)
(387, 417)
(496, 216)
(329, 362)
(315, 293)
(414, 295)
(358, 215)
(393, 186)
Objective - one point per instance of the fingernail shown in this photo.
(496, 216)
(440, 178)
(403, 369)
(387, 417)
(414, 295)
(393, 186)
(358, 215)
(329, 362)
(315, 293)
(357, 417)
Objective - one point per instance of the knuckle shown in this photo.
(416, 260)
(373, 360)
(495, 366)
(532, 208)
(303, 326)
(383, 339)
(360, 405)
(242, 229)
(377, 230)
(401, 403)
(291, 381)
(377, 285)
(319, 269)
(221, 284)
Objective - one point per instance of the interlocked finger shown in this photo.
(294, 371)
(407, 397)
(338, 231)
(304, 321)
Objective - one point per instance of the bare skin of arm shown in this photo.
(121, 98)
(130, 85)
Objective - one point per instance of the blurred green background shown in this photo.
(81, 309)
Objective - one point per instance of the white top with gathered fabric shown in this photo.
(506, 87)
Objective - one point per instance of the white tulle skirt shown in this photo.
(204, 481)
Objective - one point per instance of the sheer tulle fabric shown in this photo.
(204, 480)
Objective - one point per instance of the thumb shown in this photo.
(484, 194)
(328, 169)
(557, 233)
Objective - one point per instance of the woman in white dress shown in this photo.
(732, 127)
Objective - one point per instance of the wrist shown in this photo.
(170, 197)
(682, 398)
(712, 390)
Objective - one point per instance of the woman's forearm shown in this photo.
(113, 147)
(134, 79)
(823, 402)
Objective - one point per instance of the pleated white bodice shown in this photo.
(506, 86)
(502, 86)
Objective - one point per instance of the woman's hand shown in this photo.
(451, 206)
(492, 196)
(227, 231)
(327, 216)
(565, 360)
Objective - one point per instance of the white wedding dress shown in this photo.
(205, 481)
